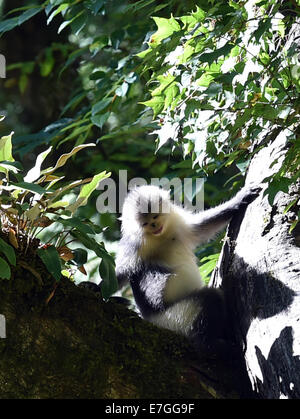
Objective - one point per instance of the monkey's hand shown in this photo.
(247, 194)
(208, 223)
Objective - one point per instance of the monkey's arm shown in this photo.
(205, 225)
(147, 281)
(127, 260)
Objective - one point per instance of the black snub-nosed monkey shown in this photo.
(156, 255)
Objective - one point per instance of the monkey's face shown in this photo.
(154, 224)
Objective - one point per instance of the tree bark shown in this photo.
(260, 273)
(63, 341)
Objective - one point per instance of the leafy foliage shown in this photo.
(33, 203)
(107, 84)
(208, 264)
(224, 79)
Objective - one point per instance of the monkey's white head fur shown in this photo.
(141, 201)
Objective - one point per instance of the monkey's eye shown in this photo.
(155, 216)
(145, 224)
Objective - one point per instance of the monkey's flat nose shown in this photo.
(153, 225)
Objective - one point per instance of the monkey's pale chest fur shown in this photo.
(178, 257)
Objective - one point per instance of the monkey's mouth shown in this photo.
(158, 231)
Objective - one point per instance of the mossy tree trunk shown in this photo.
(63, 341)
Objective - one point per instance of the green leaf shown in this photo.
(14, 166)
(267, 111)
(29, 14)
(189, 22)
(213, 89)
(23, 82)
(205, 79)
(243, 166)
(78, 133)
(68, 22)
(8, 24)
(102, 104)
(63, 159)
(242, 119)
(290, 205)
(90, 243)
(8, 251)
(61, 191)
(165, 82)
(210, 57)
(96, 75)
(157, 103)
(276, 185)
(199, 14)
(122, 90)
(75, 222)
(171, 96)
(32, 187)
(73, 56)
(99, 120)
(263, 26)
(35, 172)
(109, 283)
(5, 272)
(6, 151)
(94, 5)
(208, 264)
(166, 27)
(51, 260)
(33, 213)
(58, 204)
(80, 256)
(79, 23)
(146, 52)
(187, 53)
(293, 225)
(74, 102)
(47, 64)
(60, 9)
(138, 5)
(86, 191)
